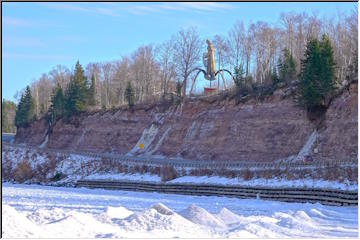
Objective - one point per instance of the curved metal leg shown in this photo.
(193, 81)
(225, 70)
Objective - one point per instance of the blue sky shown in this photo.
(38, 36)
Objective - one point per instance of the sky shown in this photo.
(38, 36)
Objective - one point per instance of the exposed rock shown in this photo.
(210, 130)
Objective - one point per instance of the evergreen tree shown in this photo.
(130, 95)
(178, 88)
(327, 74)
(274, 76)
(57, 106)
(4, 121)
(317, 74)
(7, 116)
(239, 76)
(76, 92)
(287, 67)
(25, 111)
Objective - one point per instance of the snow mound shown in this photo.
(157, 218)
(200, 216)
(227, 216)
(12, 219)
(118, 212)
(162, 209)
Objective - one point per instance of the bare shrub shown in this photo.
(168, 173)
(155, 170)
(144, 169)
(23, 172)
(247, 174)
(137, 168)
(6, 170)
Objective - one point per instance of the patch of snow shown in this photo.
(146, 139)
(122, 176)
(260, 182)
(45, 141)
(305, 150)
(161, 140)
(81, 138)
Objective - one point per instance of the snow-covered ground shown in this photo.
(76, 167)
(44, 211)
(216, 180)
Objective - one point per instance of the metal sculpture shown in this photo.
(209, 63)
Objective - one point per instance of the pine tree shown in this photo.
(178, 88)
(327, 74)
(317, 74)
(274, 76)
(239, 78)
(25, 112)
(287, 67)
(57, 106)
(130, 95)
(4, 121)
(7, 116)
(76, 93)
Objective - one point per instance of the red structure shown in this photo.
(208, 91)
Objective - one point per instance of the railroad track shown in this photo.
(286, 194)
(186, 163)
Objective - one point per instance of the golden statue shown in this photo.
(209, 62)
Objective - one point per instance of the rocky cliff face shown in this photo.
(209, 129)
(338, 135)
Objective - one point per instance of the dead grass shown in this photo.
(23, 172)
(168, 173)
(247, 174)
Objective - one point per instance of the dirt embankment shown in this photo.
(214, 128)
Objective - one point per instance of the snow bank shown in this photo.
(118, 212)
(200, 216)
(122, 176)
(258, 182)
(47, 212)
(16, 225)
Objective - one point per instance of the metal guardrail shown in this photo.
(186, 163)
(286, 194)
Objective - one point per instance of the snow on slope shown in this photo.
(228, 181)
(43, 211)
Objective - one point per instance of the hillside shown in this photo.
(211, 128)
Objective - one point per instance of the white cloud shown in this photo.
(36, 57)
(16, 41)
(201, 6)
(17, 22)
(176, 6)
(88, 8)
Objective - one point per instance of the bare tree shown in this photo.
(121, 77)
(60, 75)
(236, 41)
(94, 69)
(165, 59)
(187, 54)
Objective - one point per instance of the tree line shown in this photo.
(259, 53)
